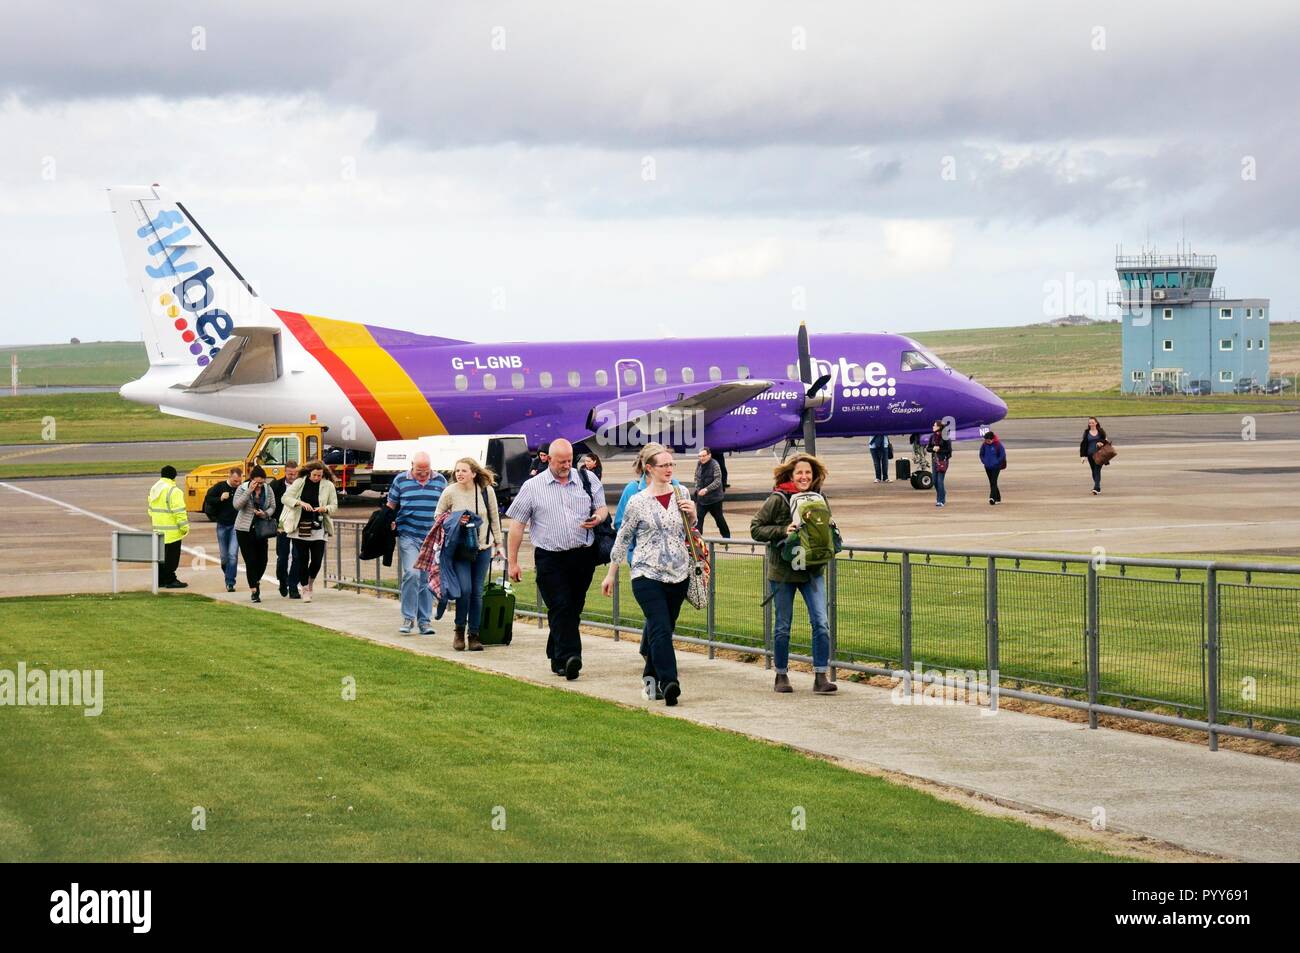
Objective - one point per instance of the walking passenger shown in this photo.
(560, 514)
(219, 506)
(540, 462)
(709, 491)
(994, 457)
(641, 481)
(307, 519)
(167, 515)
(1094, 438)
(881, 450)
(657, 519)
(254, 500)
(591, 461)
(414, 495)
(940, 448)
(472, 491)
(799, 482)
(286, 567)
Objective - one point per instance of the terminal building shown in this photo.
(1181, 333)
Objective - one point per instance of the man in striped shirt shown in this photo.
(415, 497)
(560, 514)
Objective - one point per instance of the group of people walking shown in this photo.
(1094, 448)
(447, 535)
(296, 510)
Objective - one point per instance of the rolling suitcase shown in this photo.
(496, 626)
(902, 469)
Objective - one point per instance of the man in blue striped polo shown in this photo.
(415, 496)
(560, 514)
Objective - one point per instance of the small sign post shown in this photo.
(135, 547)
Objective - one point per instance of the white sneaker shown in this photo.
(648, 687)
(408, 626)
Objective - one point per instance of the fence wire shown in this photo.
(948, 612)
(1259, 651)
(1042, 622)
(1151, 634)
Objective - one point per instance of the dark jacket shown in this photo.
(993, 455)
(216, 509)
(452, 532)
(708, 483)
(278, 488)
(378, 539)
(1083, 444)
(879, 443)
(768, 526)
(940, 447)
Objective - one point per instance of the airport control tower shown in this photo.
(1182, 334)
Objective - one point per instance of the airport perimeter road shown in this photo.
(212, 450)
(1227, 803)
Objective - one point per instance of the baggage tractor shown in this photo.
(496, 626)
(902, 469)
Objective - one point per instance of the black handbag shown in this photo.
(603, 534)
(264, 527)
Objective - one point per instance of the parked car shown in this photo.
(1160, 389)
(1197, 388)
(1245, 385)
(1279, 385)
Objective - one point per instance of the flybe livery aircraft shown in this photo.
(218, 352)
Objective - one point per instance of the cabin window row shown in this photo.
(574, 379)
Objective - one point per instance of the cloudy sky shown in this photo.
(559, 170)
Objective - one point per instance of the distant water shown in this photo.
(58, 389)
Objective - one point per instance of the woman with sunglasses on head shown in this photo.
(654, 529)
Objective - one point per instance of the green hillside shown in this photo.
(109, 363)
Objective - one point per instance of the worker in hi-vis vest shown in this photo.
(167, 513)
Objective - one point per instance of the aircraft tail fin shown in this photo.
(189, 294)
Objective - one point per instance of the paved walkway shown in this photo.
(1234, 805)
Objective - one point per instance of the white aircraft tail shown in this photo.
(192, 299)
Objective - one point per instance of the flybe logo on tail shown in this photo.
(187, 301)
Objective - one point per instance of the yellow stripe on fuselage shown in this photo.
(386, 380)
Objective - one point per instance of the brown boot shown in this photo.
(474, 644)
(782, 684)
(822, 684)
(458, 643)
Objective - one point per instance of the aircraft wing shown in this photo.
(251, 355)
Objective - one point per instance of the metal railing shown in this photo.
(1111, 636)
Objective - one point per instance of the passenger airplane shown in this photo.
(218, 353)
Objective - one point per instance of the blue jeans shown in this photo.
(417, 597)
(228, 547)
(940, 494)
(814, 597)
(880, 459)
(662, 603)
(472, 575)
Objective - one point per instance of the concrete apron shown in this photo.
(1234, 805)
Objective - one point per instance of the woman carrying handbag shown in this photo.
(254, 503)
(656, 524)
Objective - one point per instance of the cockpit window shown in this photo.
(915, 361)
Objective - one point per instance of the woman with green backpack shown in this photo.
(801, 539)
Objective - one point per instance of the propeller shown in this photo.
(811, 401)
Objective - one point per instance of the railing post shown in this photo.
(614, 596)
(1212, 653)
(991, 655)
(905, 618)
(338, 561)
(710, 615)
(356, 552)
(1094, 653)
(767, 616)
(831, 590)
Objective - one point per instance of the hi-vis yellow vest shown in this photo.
(167, 510)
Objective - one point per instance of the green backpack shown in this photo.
(817, 541)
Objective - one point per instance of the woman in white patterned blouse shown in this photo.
(653, 526)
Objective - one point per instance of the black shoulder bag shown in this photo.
(603, 534)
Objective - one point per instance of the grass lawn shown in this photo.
(92, 363)
(12, 471)
(97, 418)
(1112, 404)
(240, 712)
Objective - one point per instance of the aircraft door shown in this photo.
(629, 376)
